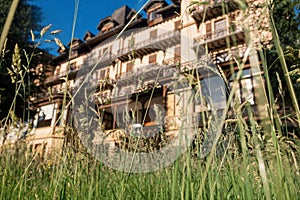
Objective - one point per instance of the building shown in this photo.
(142, 79)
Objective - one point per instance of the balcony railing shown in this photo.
(162, 41)
(56, 77)
(47, 94)
(229, 55)
(220, 35)
(209, 9)
(172, 61)
(102, 96)
(151, 69)
(139, 80)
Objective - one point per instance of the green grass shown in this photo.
(76, 175)
(255, 165)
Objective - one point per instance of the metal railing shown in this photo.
(211, 3)
(148, 42)
(215, 35)
(154, 67)
(171, 61)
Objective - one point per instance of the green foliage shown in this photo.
(28, 17)
(13, 64)
(287, 24)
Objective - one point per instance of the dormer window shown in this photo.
(153, 15)
(107, 27)
(72, 66)
(107, 24)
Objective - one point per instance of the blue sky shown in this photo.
(60, 14)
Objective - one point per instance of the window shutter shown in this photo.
(152, 59)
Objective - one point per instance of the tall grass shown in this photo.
(253, 165)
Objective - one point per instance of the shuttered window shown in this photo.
(152, 59)
(177, 54)
(153, 34)
(129, 66)
(208, 27)
(177, 25)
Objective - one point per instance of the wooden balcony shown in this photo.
(209, 9)
(144, 78)
(58, 78)
(219, 39)
(150, 45)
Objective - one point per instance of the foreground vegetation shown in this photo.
(268, 169)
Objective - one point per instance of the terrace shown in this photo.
(150, 45)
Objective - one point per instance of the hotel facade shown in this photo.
(153, 74)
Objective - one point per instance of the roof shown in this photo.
(120, 17)
(88, 34)
(106, 20)
(75, 40)
(152, 2)
(169, 8)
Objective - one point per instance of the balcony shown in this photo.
(150, 45)
(210, 9)
(54, 93)
(218, 40)
(57, 78)
(145, 78)
(102, 97)
(172, 61)
(226, 57)
(223, 58)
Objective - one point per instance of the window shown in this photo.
(102, 74)
(45, 115)
(177, 54)
(208, 30)
(108, 26)
(245, 87)
(107, 120)
(121, 70)
(153, 15)
(152, 59)
(72, 66)
(107, 72)
(208, 27)
(129, 66)
(220, 27)
(177, 25)
(153, 34)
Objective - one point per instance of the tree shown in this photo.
(286, 18)
(28, 17)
